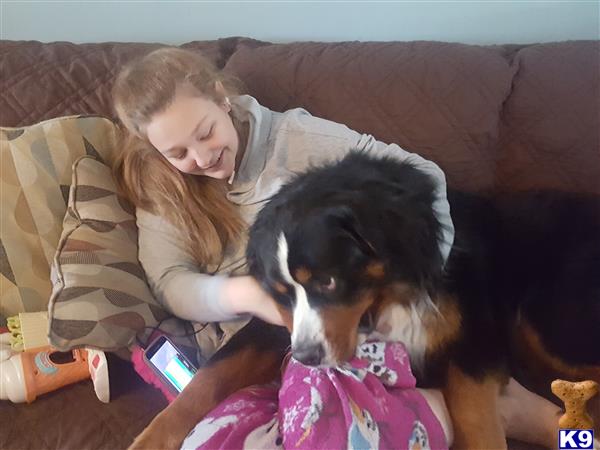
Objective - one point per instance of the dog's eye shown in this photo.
(328, 286)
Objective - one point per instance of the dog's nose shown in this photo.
(309, 355)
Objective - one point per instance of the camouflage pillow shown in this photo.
(100, 296)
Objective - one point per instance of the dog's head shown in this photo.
(336, 244)
(326, 278)
(326, 275)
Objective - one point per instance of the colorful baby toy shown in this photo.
(30, 367)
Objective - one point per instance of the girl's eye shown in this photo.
(207, 135)
(181, 155)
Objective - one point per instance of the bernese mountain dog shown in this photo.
(351, 250)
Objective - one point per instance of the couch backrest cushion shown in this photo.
(45, 80)
(550, 134)
(440, 100)
(34, 179)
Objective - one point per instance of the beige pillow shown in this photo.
(100, 295)
(35, 174)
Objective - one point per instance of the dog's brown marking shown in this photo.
(442, 326)
(473, 407)
(375, 270)
(542, 364)
(280, 287)
(341, 326)
(287, 316)
(402, 293)
(208, 388)
(302, 275)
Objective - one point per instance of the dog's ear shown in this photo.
(261, 247)
(344, 218)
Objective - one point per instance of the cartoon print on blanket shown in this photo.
(371, 403)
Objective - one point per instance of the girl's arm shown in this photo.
(179, 285)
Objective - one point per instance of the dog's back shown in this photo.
(525, 267)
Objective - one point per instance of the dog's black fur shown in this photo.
(531, 257)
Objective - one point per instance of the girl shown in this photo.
(199, 164)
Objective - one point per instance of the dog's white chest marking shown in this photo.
(405, 324)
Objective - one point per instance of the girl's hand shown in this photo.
(244, 295)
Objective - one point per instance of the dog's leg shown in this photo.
(473, 406)
(252, 356)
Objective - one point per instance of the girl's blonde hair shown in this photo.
(196, 204)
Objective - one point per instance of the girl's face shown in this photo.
(196, 135)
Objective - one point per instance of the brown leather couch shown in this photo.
(495, 118)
